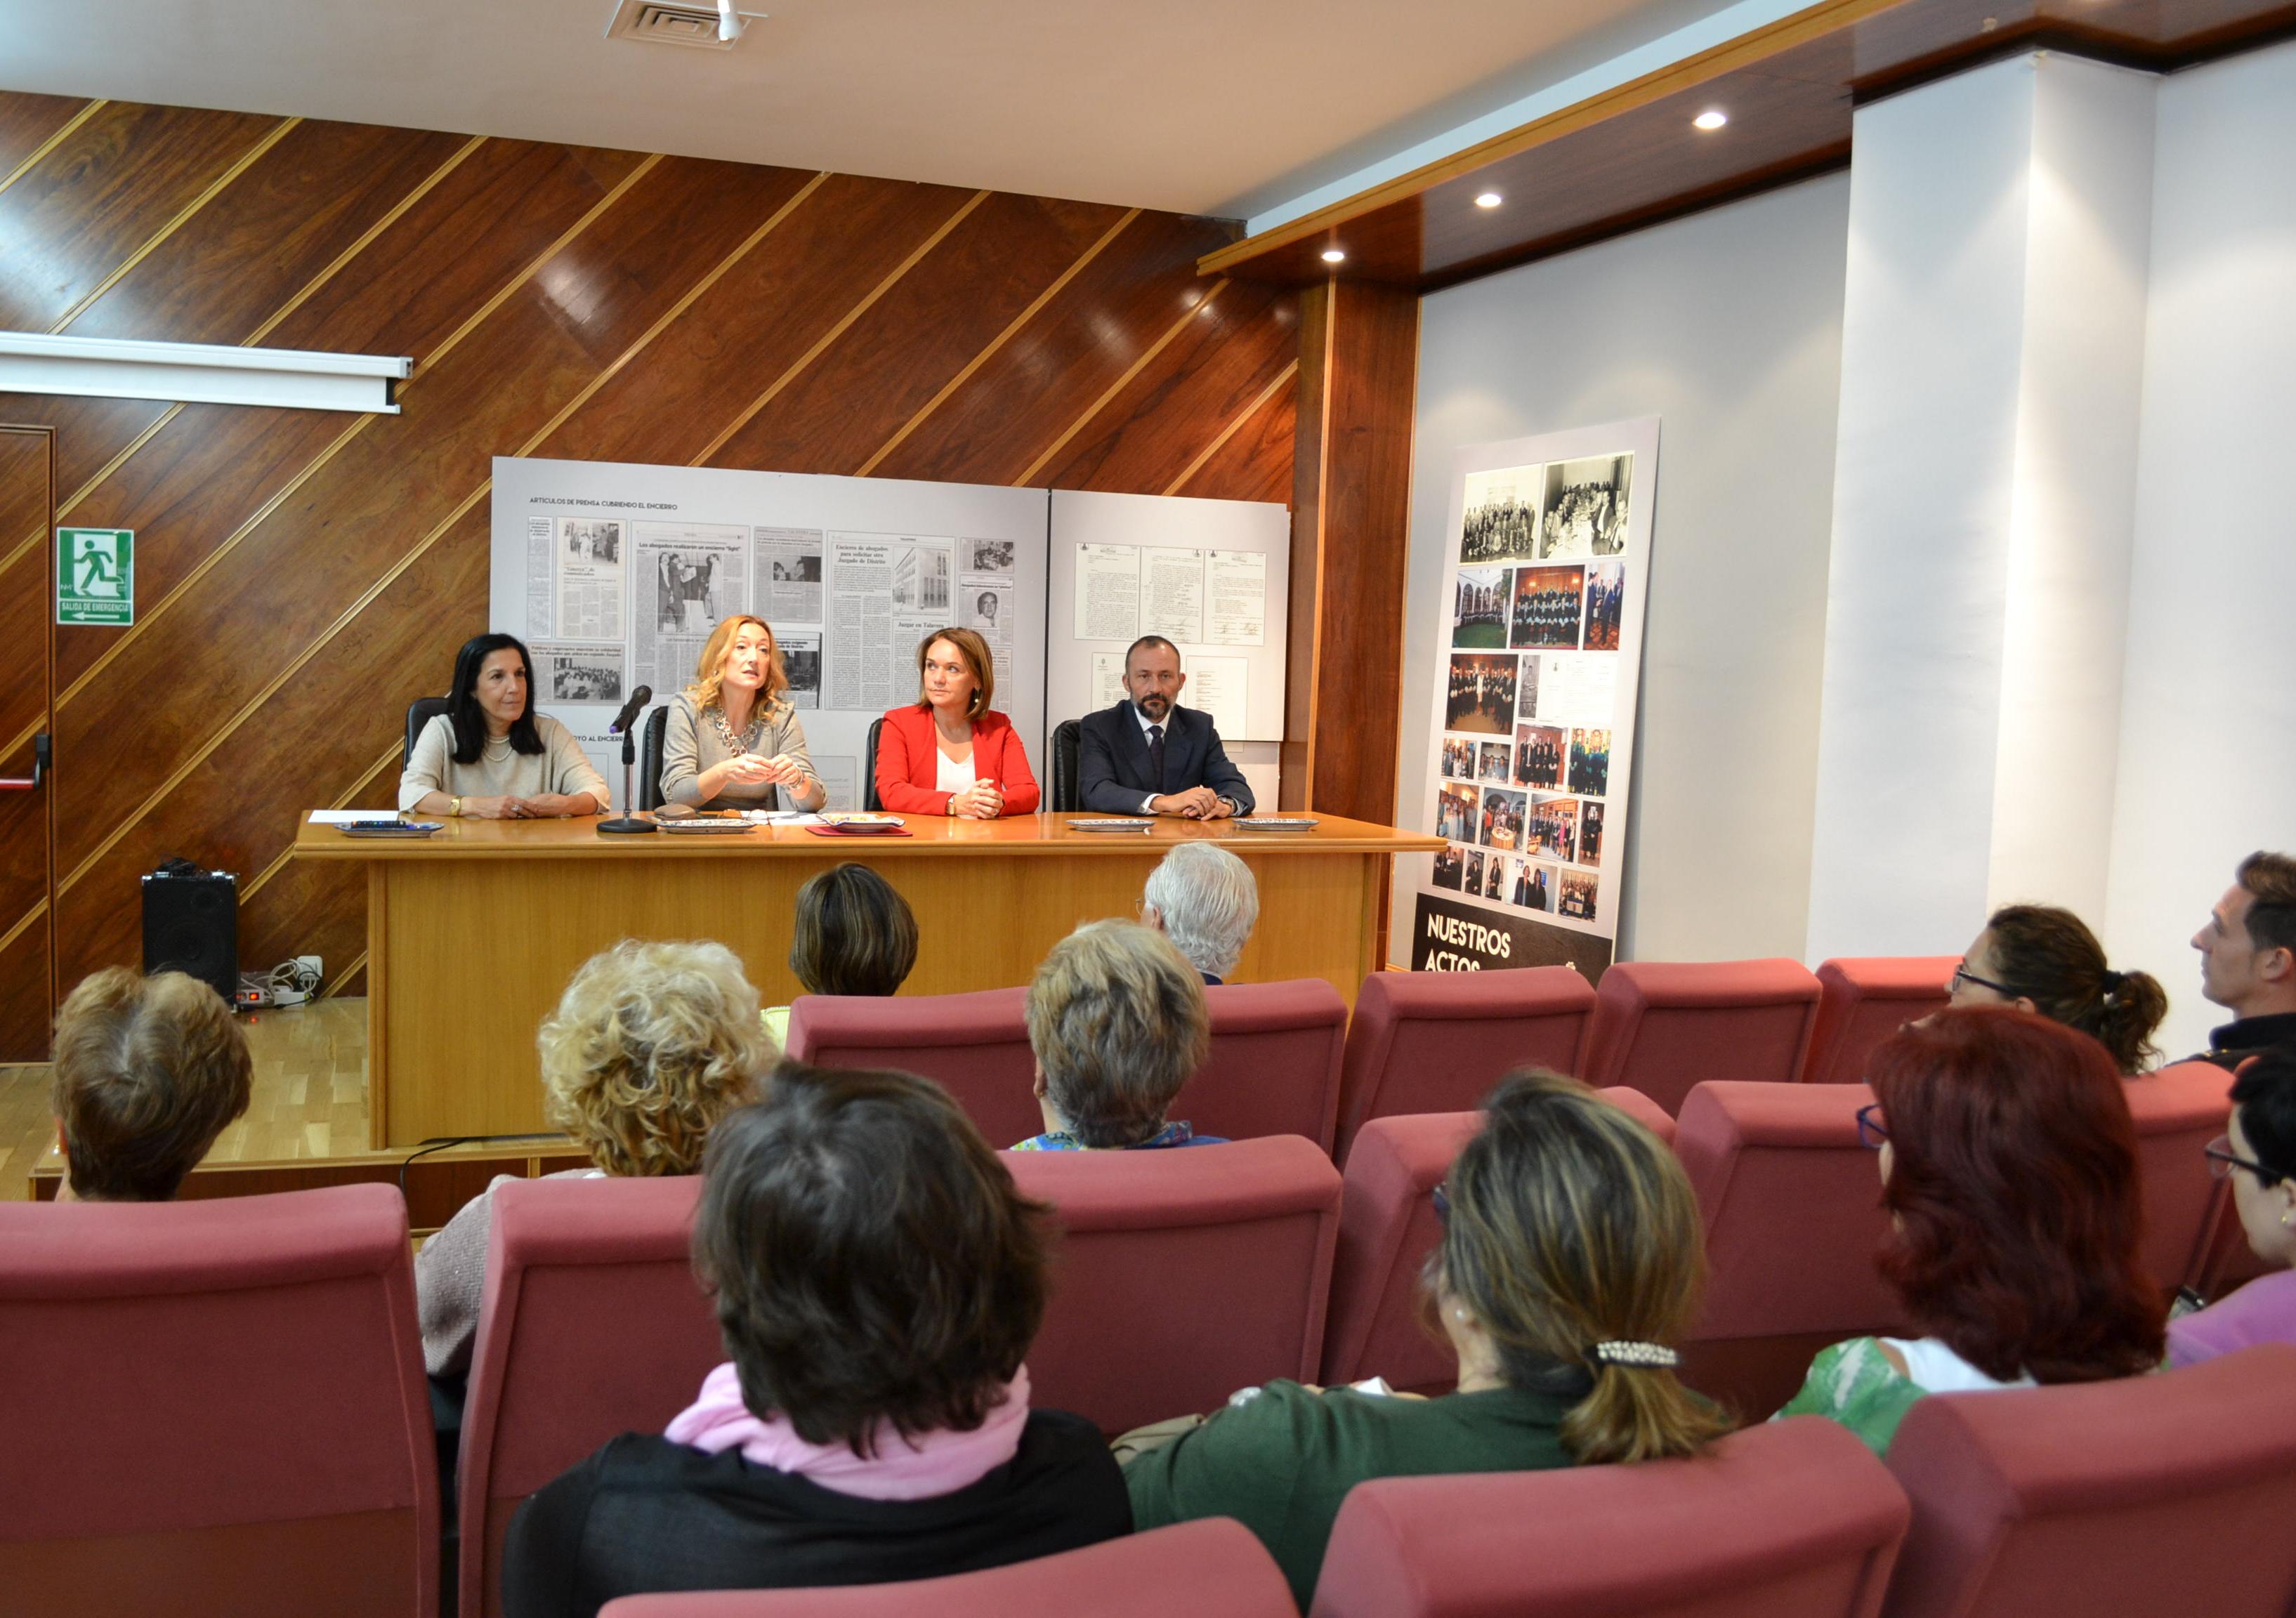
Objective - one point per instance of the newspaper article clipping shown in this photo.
(589, 578)
(690, 575)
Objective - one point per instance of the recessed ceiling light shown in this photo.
(1711, 118)
(1489, 199)
(1332, 255)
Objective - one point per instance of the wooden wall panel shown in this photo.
(24, 985)
(302, 576)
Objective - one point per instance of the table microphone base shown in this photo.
(625, 823)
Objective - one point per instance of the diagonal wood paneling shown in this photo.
(23, 704)
(303, 575)
(31, 125)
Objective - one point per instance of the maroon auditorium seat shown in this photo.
(1273, 1069)
(2178, 1111)
(1208, 1569)
(1436, 1042)
(593, 1326)
(215, 1408)
(1644, 1111)
(975, 1046)
(1864, 999)
(2154, 1496)
(1792, 1207)
(1662, 1026)
(1181, 1275)
(1792, 1521)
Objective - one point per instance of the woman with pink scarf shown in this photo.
(879, 1281)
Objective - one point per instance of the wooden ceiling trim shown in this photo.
(1748, 50)
(1283, 380)
(32, 162)
(1192, 312)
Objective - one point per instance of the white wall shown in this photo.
(2207, 753)
(1728, 325)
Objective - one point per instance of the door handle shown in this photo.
(40, 759)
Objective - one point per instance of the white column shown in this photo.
(1984, 483)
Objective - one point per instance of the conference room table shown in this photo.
(473, 932)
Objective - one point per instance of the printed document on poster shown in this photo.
(1108, 592)
(886, 593)
(689, 575)
(801, 660)
(567, 673)
(1222, 688)
(789, 575)
(985, 597)
(1577, 687)
(1172, 593)
(1237, 613)
(541, 576)
(589, 556)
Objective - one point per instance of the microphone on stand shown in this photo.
(625, 822)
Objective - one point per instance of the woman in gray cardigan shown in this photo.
(733, 740)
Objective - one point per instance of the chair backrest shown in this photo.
(1795, 1520)
(420, 713)
(1436, 1042)
(1067, 796)
(869, 799)
(2179, 1110)
(593, 1325)
(650, 740)
(975, 1046)
(1644, 1111)
(215, 1408)
(1181, 1275)
(1662, 1026)
(2154, 1496)
(1274, 1067)
(1211, 1568)
(1792, 1207)
(1387, 1229)
(1864, 999)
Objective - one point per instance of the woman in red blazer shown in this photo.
(946, 753)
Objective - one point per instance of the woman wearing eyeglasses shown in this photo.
(2257, 1153)
(2037, 958)
(2008, 1166)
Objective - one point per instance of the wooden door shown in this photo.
(28, 988)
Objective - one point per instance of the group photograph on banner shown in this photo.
(1532, 749)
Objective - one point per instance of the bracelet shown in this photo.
(454, 808)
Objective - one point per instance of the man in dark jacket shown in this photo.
(1149, 756)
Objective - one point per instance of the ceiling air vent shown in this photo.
(670, 22)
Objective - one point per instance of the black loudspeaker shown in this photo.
(191, 925)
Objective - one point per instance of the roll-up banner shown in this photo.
(1529, 769)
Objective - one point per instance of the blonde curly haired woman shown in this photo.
(650, 1045)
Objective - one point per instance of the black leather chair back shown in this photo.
(869, 800)
(1068, 736)
(649, 785)
(420, 712)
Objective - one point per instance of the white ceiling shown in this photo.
(1203, 106)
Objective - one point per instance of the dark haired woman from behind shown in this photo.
(2038, 957)
(2008, 1166)
(853, 934)
(2257, 1153)
(491, 754)
(879, 1281)
(1570, 1264)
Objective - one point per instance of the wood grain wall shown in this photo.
(303, 575)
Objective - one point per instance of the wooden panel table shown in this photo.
(472, 933)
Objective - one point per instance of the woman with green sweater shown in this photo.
(1570, 1261)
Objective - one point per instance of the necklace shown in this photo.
(747, 741)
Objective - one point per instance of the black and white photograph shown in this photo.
(1526, 691)
(1590, 835)
(1590, 762)
(1606, 600)
(1458, 758)
(1578, 899)
(690, 595)
(1449, 865)
(1480, 697)
(577, 674)
(1584, 510)
(1494, 877)
(921, 579)
(1500, 824)
(1548, 606)
(591, 540)
(1492, 759)
(800, 651)
(1534, 886)
(1500, 520)
(1538, 751)
(787, 562)
(1479, 609)
(1474, 882)
(1455, 812)
(1552, 829)
(982, 610)
(987, 555)
(795, 569)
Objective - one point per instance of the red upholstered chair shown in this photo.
(1662, 1026)
(593, 1326)
(215, 1408)
(1792, 1521)
(2155, 1497)
(1646, 1112)
(1273, 1069)
(1208, 1569)
(2178, 1111)
(1864, 999)
(1181, 1275)
(1792, 1207)
(974, 1046)
(1436, 1042)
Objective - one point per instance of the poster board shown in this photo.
(1209, 575)
(614, 575)
(1530, 757)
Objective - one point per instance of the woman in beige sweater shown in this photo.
(732, 740)
(491, 754)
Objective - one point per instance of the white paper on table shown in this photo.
(1222, 688)
(350, 817)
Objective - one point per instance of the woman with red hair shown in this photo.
(2008, 1166)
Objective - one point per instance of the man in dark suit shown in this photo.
(1148, 755)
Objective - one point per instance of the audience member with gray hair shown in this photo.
(1117, 1023)
(1205, 899)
